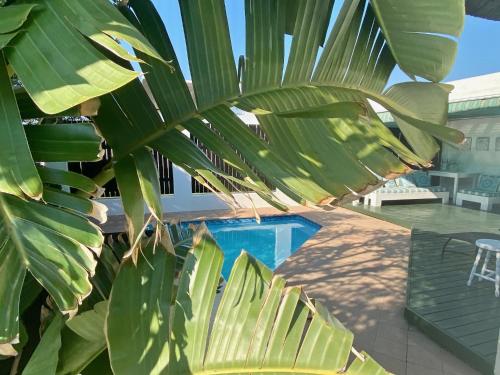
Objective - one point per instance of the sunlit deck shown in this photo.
(465, 320)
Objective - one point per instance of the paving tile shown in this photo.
(415, 369)
(417, 338)
(395, 333)
(391, 348)
(424, 356)
(393, 317)
(365, 339)
(391, 364)
(453, 365)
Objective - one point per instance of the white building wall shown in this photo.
(183, 200)
(481, 133)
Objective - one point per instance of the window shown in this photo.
(483, 143)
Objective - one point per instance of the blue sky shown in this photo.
(478, 51)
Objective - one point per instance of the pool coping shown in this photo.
(230, 220)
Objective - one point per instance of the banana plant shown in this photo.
(52, 237)
(158, 321)
(324, 142)
(52, 64)
(37, 42)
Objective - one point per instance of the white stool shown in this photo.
(491, 246)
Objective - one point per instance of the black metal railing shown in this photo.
(91, 169)
(164, 167)
(165, 173)
(197, 187)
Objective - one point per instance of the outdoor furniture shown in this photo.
(415, 186)
(485, 192)
(470, 237)
(490, 246)
(456, 176)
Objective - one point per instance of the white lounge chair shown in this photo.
(486, 192)
(412, 187)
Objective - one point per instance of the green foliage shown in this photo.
(45, 228)
(162, 319)
(317, 118)
(147, 307)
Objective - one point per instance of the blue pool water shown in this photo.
(271, 241)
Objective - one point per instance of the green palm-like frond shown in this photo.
(52, 237)
(54, 50)
(46, 44)
(259, 325)
(324, 141)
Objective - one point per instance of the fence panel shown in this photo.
(164, 166)
(91, 169)
(197, 187)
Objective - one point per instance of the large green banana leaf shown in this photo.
(258, 326)
(324, 142)
(406, 28)
(161, 319)
(117, 120)
(54, 48)
(72, 75)
(54, 244)
(51, 238)
(17, 170)
(44, 358)
(44, 227)
(18, 174)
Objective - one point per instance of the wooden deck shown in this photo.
(465, 320)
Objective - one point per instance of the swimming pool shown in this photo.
(271, 241)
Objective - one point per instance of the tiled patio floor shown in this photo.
(357, 266)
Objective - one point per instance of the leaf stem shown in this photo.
(15, 364)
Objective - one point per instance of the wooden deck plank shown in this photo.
(465, 309)
(438, 273)
(435, 292)
(481, 337)
(422, 272)
(424, 301)
(487, 348)
(475, 326)
(467, 319)
(442, 306)
(456, 281)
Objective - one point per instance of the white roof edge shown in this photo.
(473, 88)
